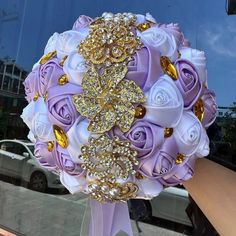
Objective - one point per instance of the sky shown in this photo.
(26, 25)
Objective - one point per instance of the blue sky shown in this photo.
(26, 25)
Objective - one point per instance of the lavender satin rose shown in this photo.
(188, 82)
(49, 73)
(82, 22)
(145, 67)
(61, 110)
(179, 173)
(162, 162)
(197, 58)
(145, 137)
(72, 175)
(210, 107)
(31, 85)
(43, 156)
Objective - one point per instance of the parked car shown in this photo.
(18, 161)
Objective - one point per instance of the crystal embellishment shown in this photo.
(107, 99)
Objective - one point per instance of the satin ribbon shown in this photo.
(108, 219)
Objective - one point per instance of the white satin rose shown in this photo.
(198, 59)
(74, 184)
(158, 38)
(143, 18)
(68, 41)
(74, 66)
(190, 136)
(51, 44)
(148, 188)
(78, 136)
(164, 105)
(36, 118)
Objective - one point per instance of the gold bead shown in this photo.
(168, 132)
(139, 175)
(61, 63)
(198, 109)
(36, 96)
(60, 136)
(180, 158)
(63, 80)
(140, 111)
(47, 57)
(50, 146)
(144, 26)
(45, 97)
(168, 67)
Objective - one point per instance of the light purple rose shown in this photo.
(145, 137)
(174, 30)
(210, 107)
(161, 163)
(49, 73)
(179, 173)
(145, 67)
(65, 162)
(31, 85)
(61, 110)
(188, 82)
(82, 22)
(43, 156)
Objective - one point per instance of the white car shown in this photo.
(18, 161)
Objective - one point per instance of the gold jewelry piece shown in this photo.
(168, 132)
(36, 96)
(112, 192)
(60, 136)
(63, 80)
(107, 99)
(108, 159)
(111, 40)
(168, 67)
(47, 57)
(180, 158)
(198, 109)
(50, 146)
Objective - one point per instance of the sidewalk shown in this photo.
(36, 214)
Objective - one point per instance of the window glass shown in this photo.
(25, 27)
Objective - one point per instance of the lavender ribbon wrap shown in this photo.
(108, 219)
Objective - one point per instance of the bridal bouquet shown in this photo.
(119, 107)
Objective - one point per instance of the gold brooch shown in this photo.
(111, 40)
(108, 159)
(107, 99)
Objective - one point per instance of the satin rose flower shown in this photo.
(158, 38)
(142, 19)
(197, 58)
(179, 173)
(61, 109)
(145, 67)
(74, 67)
(162, 162)
(82, 22)
(164, 104)
(210, 107)
(174, 29)
(188, 82)
(78, 136)
(36, 118)
(43, 156)
(51, 44)
(145, 137)
(31, 85)
(68, 41)
(71, 174)
(48, 75)
(189, 135)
